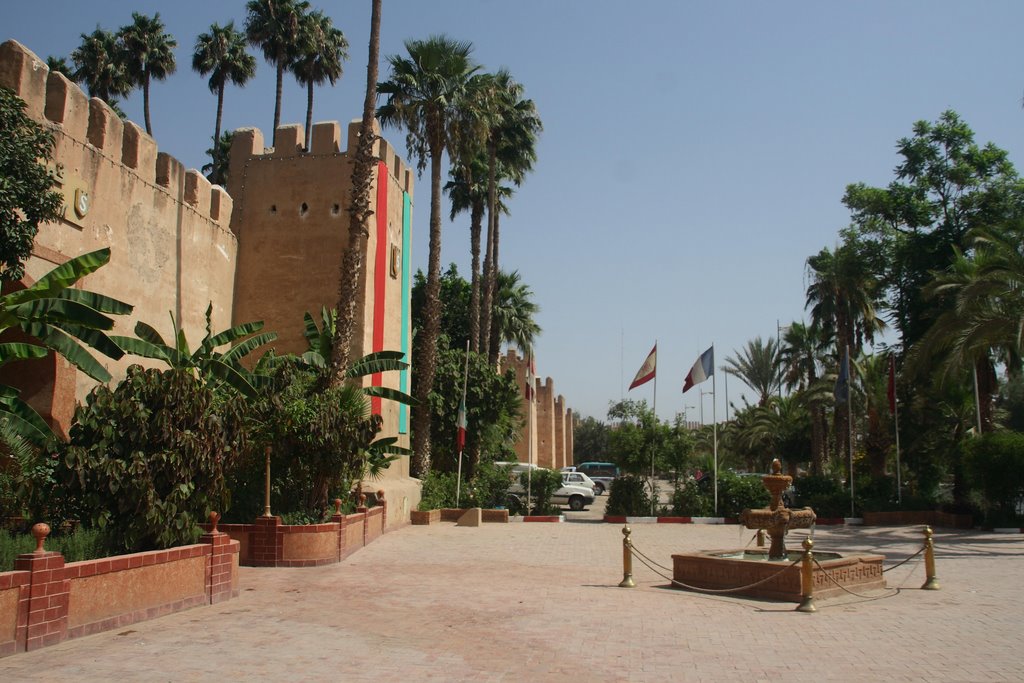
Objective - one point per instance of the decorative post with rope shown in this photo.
(266, 498)
(807, 579)
(627, 559)
(930, 583)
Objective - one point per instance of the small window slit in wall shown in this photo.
(304, 209)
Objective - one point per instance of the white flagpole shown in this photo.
(714, 420)
(653, 494)
(529, 450)
(725, 378)
(899, 484)
(465, 383)
(849, 419)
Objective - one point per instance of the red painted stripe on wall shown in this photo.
(380, 274)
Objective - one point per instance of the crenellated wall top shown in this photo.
(52, 98)
(290, 142)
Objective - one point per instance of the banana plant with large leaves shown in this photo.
(58, 318)
(321, 343)
(214, 367)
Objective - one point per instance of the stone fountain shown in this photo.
(777, 519)
(754, 573)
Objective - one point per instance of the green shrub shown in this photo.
(147, 458)
(994, 469)
(438, 491)
(689, 501)
(489, 488)
(542, 486)
(629, 496)
(736, 494)
(81, 544)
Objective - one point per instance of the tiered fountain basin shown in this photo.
(726, 569)
(744, 570)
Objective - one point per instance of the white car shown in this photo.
(576, 496)
(580, 479)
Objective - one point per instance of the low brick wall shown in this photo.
(45, 601)
(269, 543)
(922, 517)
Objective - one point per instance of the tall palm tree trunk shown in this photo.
(495, 347)
(145, 105)
(220, 114)
(277, 100)
(490, 271)
(309, 115)
(475, 228)
(426, 362)
(359, 213)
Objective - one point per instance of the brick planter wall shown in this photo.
(420, 517)
(269, 543)
(45, 601)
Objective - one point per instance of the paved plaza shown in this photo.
(540, 602)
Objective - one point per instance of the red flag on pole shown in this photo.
(646, 372)
(892, 384)
(460, 421)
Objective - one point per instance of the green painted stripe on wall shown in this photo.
(403, 379)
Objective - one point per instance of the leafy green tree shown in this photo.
(148, 54)
(147, 459)
(322, 49)
(492, 410)
(27, 197)
(638, 437)
(423, 95)
(946, 184)
(274, 26)
(99, 64)
(803, 356)
(455, 297)
(221, 53)
(994, 465)
(214, 367)
(759, 366)
(56, 316)
(590, 440)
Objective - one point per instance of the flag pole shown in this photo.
(714, 420)
(465, 383)
(653, 489)
(529, 449)
(849, 420)
(977, 397)
(899, 484)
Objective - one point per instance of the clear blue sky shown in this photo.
(694, 154)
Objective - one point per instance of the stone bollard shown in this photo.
(807, 579)
(930, 583)
(627, 560)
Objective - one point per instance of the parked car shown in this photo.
(602, 473)
(580, 479)
(576, 496)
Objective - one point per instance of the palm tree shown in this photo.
(148, 54)
(512, 126)
(844, 298)
(467, 192)
(359, 213)
(274, 26)
(60, 65)
(98, 64)
(514, 311)
(221, 53)
(423, 94)
(803, 357)
(220, 157)
(759, 366)
(985, 324)
(322, 49)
